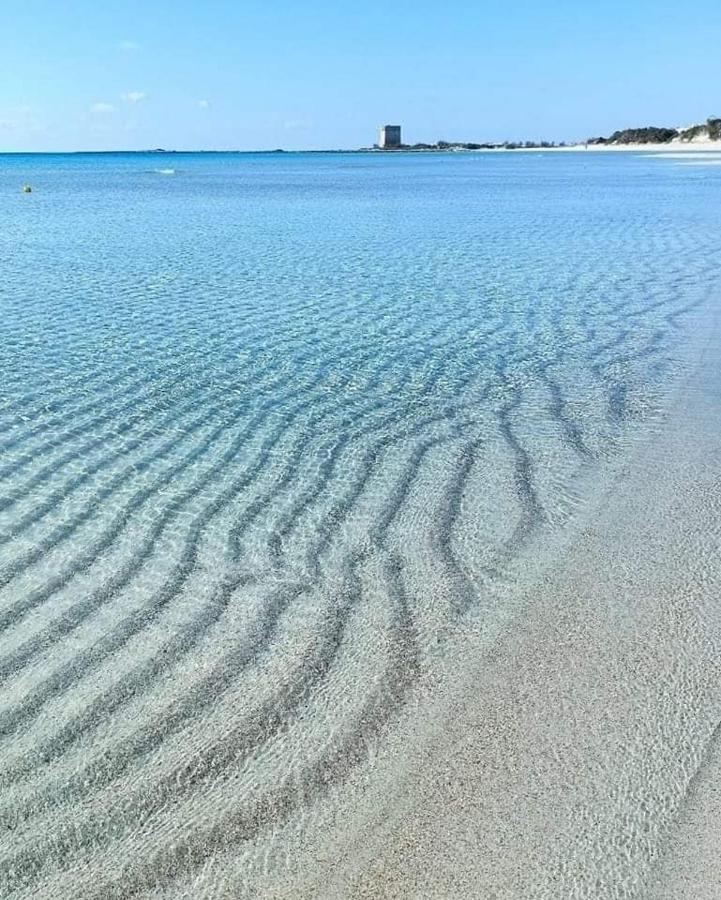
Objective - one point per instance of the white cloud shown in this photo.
(204, 104)
(102, 108)
(128, 46)
(134, 96)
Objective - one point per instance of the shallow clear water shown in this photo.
(272, 426)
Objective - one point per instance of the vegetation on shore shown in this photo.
(710, 131)
(458, 145)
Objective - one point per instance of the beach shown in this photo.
(579, 756)
(672, 147)
(553, 770)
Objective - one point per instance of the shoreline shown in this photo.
(672, 147)
(568, 752)
(574, 759)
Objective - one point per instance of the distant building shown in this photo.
(390, 137)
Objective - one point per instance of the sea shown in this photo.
(276, 431)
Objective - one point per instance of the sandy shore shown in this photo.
(570, 761)
(691, 866)
(672, 147)
(579, 756)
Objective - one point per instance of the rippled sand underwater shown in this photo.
(277, 432)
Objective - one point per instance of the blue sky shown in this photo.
(204, 74)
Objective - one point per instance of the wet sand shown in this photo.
(577, 758)
(690, 868)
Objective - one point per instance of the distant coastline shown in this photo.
(694, 138)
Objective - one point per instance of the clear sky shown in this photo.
(246, 74)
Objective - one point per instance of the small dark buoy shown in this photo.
(27, 189)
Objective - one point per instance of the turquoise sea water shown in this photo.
(272, 425)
